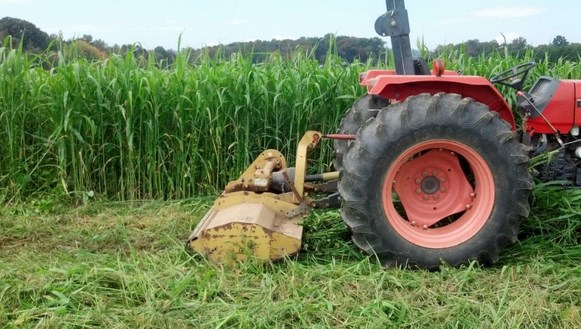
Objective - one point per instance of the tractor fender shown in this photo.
(400, 87)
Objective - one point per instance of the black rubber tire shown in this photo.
(363, 109)
(418, 119)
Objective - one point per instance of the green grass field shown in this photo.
(124, 265)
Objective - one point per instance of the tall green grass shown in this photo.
(124, 128)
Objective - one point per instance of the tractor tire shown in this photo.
(435, 179)
(362, 110)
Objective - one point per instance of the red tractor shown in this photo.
(432, 166)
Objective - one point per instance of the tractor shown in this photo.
(430, 167)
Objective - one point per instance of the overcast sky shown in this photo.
(209, 22)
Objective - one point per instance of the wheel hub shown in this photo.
(430, 185)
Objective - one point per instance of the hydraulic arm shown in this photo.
(395, 24)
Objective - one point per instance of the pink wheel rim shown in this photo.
(442, 207)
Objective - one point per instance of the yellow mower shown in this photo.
(259, 214)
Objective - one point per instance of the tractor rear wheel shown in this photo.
(435, 179)
(362, 110)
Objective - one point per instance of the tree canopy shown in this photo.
(348, 48)
(31, 36)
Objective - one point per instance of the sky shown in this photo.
(210, 22)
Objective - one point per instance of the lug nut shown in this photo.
(435, 197)
(472, 195)
(452, 153)
(425, 227)
(435, 173)
(468, 206)
(418, 180)
(442, 179)
(426, 197)
(419, 191)
(442, 189)
(413, 223)
(425, 174)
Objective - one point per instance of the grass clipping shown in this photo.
(120, 265)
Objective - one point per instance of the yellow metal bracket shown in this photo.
(306, 144)
(258, 176)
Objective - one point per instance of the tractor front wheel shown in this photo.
(435, 179)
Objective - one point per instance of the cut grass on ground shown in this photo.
(121, 265)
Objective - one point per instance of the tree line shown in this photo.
(23, 33)
(559, 48)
